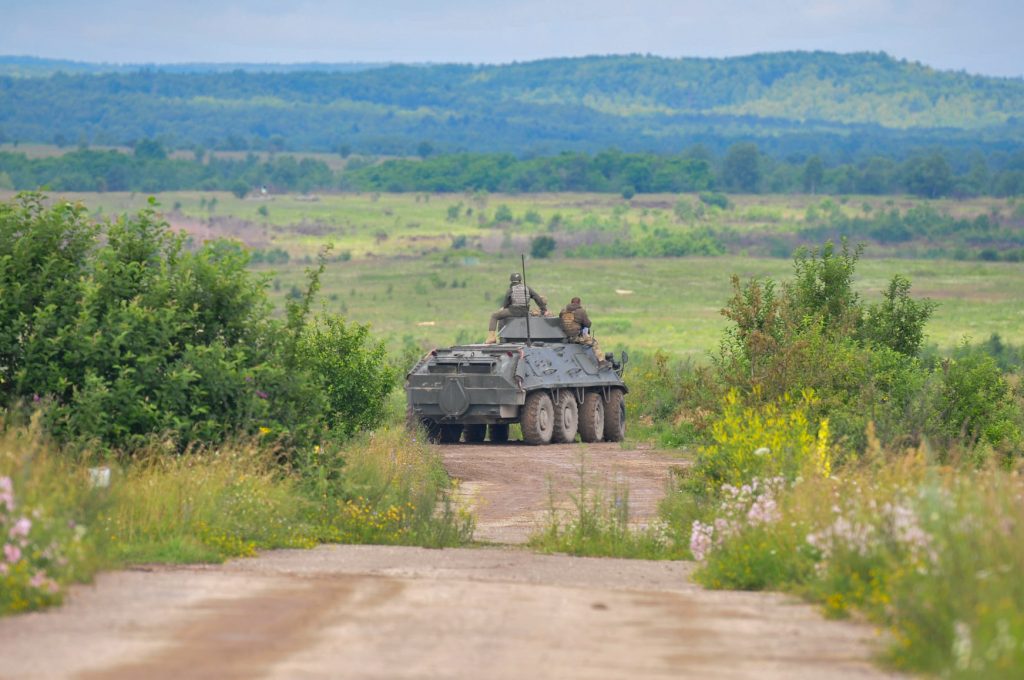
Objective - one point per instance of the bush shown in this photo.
(973, 403)
(123, 335)
(542, 246)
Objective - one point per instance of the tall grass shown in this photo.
(597, 523)
(208, 505)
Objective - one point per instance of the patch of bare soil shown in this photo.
(511, 488)
(251, 234)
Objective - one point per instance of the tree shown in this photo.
(929, 176)
(150, 150)
(814, 173)
(741, 170)
(424, 149)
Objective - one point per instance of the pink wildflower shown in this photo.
(12, 553)
(21, 527)
(7, 493)
(701, 540)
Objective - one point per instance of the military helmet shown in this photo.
(516, 277)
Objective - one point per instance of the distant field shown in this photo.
(408, 282)
(673, 304)
(369, 225)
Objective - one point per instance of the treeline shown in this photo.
(847, 106)
(149, 169)
(742, 169)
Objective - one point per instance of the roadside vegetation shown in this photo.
(221, 428)
(835, 459)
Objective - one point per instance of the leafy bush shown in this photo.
(973, 403)
(124, 334)
(542, 246)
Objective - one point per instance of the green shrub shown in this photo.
(972, 402)
(542, 246)
(124, 335)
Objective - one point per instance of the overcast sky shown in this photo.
(983, 36)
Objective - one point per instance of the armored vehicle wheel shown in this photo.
(567, 418)
(538, 420)
(475, 433)
(615, 417)
(449, 434)
(592, 417)
(499, 433)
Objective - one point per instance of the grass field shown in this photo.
(673, 304)
(407, 280)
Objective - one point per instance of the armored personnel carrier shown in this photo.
(534, 376)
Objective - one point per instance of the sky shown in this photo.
(983, 36)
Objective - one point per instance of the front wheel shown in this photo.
(615, 416)
(592, 418)
(538, 421)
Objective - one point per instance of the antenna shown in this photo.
(528, 341)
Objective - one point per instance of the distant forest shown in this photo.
(793, 105)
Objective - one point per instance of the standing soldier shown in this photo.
(517, 303)
(576, 325)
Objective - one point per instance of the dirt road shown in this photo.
(495, 612)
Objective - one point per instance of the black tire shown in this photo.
(449, 434)
(498, 433)
(567, 418)
(474, 434)
(615, 416)
(592, 417)
(538, 420)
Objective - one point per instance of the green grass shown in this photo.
(209, 505)
(673, 305)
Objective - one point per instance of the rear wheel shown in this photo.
(615, 416)
(592, 417)
(499, 433)
(567, 418)
(538, 421)
(475, 433)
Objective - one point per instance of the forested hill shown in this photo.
(793, 102)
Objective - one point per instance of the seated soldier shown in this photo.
(517, 303)
(576, 325)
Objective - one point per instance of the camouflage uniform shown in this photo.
(574, 320)
(517, 303)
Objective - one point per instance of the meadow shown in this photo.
(427, 269)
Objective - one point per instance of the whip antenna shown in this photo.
(528, 340)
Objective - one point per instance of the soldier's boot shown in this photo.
(492, 338)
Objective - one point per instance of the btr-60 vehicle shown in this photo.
(533, 376)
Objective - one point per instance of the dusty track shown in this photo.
(511, 488)
(385, 612)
